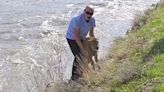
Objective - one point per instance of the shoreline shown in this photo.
(118, 59)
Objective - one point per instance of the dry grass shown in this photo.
(125, 69)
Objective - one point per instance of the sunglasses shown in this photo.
(89, 13)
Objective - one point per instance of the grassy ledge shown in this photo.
(139, 58)
(135, 63)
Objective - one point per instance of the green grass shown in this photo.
(159, 88)
(153, 35)
(138, 59)
(157, 70)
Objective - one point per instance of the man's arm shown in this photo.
(91, 33)
(77, 38)
(78, 41)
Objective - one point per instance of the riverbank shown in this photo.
(134, 64)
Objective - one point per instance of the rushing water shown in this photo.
(33, 49)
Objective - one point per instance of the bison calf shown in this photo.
(91, 46)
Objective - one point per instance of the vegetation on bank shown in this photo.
(135, 63)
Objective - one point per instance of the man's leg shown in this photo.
(76, 73)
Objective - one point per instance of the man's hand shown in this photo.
(92, 38)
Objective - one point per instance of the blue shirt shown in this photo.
(79, 22)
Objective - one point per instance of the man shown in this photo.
(77, 31)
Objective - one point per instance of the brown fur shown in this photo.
(91, 46)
